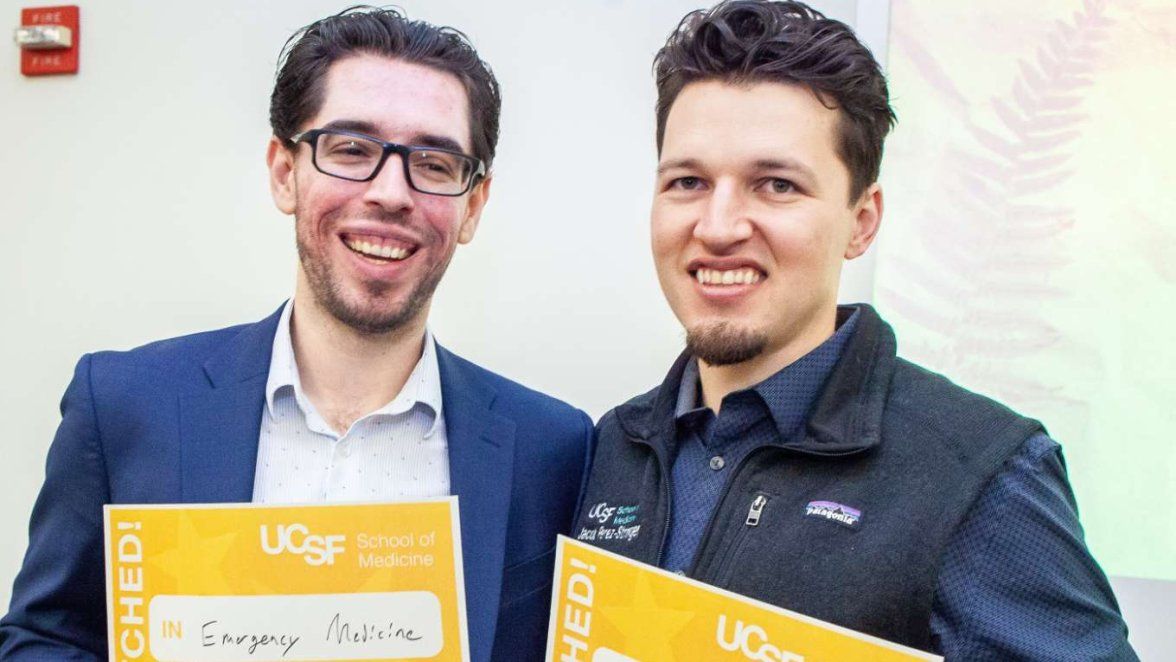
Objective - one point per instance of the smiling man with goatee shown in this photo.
(384, 133)
(790, 455)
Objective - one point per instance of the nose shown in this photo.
(723, 221)
(389, 188)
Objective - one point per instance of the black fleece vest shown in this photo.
(851, 517)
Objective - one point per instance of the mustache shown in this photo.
(401, 218)
(420, 230)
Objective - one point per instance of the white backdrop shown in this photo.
(134, 203)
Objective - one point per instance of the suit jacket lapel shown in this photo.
(481, 463)
(219, 426)
(219, 430)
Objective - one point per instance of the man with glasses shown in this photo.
(384, 130)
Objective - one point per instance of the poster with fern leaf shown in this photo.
(1028, 249)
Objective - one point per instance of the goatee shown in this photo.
(360, 315)
(722, 343)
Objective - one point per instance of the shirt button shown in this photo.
(717, 462)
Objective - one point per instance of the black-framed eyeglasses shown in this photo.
(358, 157)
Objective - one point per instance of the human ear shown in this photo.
(280, 161)
(477, 201)
(866, 220)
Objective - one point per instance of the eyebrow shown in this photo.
(420, 140)
(440, 142)
(675, 164)
(358, 126)
(786, 164)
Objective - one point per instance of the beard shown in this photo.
(364, 315)
(722, 343)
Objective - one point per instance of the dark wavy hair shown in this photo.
(309, 53)
(753, 41)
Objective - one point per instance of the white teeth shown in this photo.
(730, 277)
(377, 250)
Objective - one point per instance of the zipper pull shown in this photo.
(757, 509)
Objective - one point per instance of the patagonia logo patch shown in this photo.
(834, 512)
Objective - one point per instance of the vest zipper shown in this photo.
(710, 525)
(667, 496)
(757, 509)
(668, 499)
(727, 566)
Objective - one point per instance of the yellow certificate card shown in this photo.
(607, 608)
(315, 582)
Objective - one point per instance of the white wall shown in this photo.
(134, 204)
(134, 201)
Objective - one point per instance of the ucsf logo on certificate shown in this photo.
(308, 582)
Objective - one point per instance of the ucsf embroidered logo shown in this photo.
(297, 539)
(834, 512)
(752, 641)
(607, 522)
(601, 512)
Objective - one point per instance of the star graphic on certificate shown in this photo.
(643, 618)
(195, 562)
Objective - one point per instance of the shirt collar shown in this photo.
(688, 399)
(423, 386)
(797, 383)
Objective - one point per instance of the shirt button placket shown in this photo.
(336, 468)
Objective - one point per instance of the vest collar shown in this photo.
(846, 418)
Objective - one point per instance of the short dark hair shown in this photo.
(309, 53)
(752, 41)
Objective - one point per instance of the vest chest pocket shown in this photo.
(740, 553)
(773, 535)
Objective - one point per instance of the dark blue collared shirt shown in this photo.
(1017, 582)
(709, 447)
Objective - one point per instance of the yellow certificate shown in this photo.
(314, 582)
(607, 608)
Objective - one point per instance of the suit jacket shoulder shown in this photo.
(235, 352)
(527, 402)
(545, 428)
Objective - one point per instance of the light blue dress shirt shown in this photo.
(398, 452)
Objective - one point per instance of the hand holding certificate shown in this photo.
(316, 582)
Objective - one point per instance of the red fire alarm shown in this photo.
(48, 40)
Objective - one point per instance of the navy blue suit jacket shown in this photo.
(177, 421)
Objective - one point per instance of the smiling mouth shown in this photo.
(729, 277)
(376, 248)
